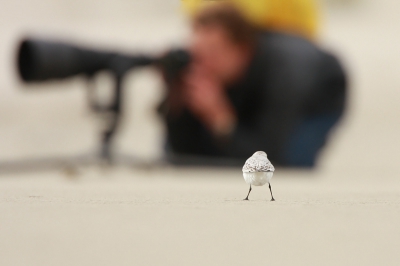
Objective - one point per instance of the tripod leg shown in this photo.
(271, 192)
(247, 198)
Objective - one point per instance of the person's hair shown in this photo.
(239, 30)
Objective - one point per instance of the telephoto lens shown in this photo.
(40, 60)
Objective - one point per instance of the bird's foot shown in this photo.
(246, 199)
(272, 199)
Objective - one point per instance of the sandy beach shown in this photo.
(345, 212)
(193, 217)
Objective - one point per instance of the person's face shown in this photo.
(213, 50)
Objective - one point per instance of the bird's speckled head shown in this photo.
(260, 153)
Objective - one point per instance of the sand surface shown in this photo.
(197, 217)
(346, 212)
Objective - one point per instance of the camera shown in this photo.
(41, 60)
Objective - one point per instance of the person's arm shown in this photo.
(277, 103)
(207, 100)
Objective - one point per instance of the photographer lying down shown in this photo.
(248, 90)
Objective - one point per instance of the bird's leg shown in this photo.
(247, 198)
(271, 192)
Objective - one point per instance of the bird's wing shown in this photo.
(253, 165)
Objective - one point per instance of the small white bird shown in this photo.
(257, 171)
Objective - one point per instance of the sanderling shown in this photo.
(257, 171)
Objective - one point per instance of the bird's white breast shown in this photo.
(258, 178)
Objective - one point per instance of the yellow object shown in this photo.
(294, 16)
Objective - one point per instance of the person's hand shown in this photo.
(206, 98)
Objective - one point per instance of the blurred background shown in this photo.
(53, 118)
